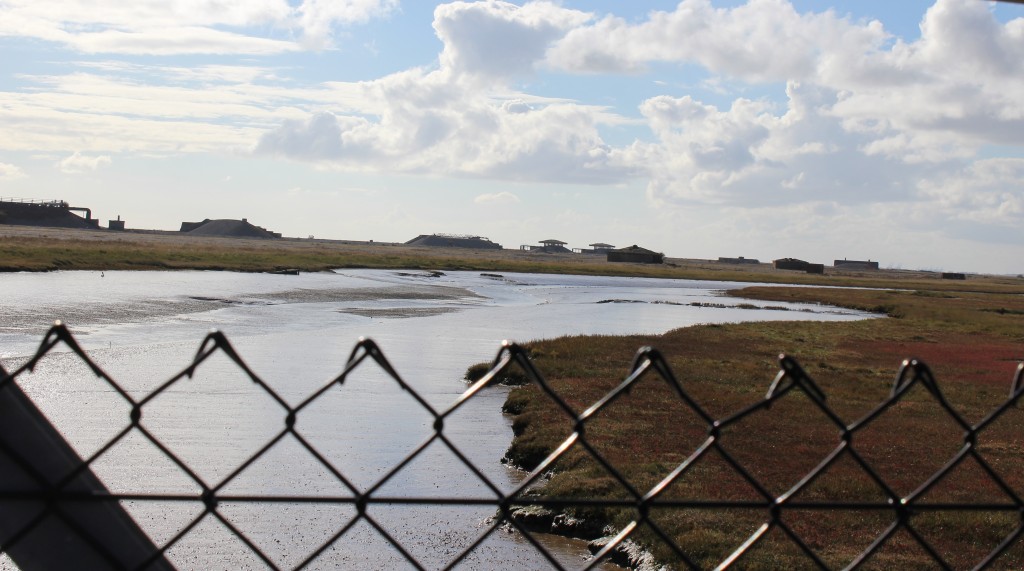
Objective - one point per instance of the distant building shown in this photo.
(637, 255)
(953, 276)
(549, 246)
(855, 264)
(51, 213)
(596, 248)
(789, 264)
(453, 241)
(798, 265)
(739, 260)
(115, 224)
(227, 228)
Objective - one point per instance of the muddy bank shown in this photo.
(627, 554)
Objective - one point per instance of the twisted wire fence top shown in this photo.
(50, 494)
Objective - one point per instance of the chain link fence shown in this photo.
(56, 513)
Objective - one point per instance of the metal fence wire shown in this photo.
(57, 514)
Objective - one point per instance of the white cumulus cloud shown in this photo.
(499, 39)
(503, 197)
(79, 163)
(10, 172)
(317, 18)
(761, 40)
(754, 155)
(430, 122)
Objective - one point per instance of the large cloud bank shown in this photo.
(867, 117)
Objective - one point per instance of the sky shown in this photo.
(864, 129)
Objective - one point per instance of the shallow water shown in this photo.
(296, 333)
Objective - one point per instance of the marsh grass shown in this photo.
(972, 350)
(510, 377)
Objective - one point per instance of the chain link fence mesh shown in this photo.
(57, 514)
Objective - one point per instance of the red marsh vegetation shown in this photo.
(971, 341)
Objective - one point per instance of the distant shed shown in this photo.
(789, 264)
(739, 260)
(637, 255)
(798, 266)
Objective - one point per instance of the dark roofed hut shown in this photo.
(790, 264)
(798, 265)
(637, 255)
(549, 246)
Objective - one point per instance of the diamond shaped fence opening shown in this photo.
(285, 495)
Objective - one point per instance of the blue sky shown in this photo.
(890, 131)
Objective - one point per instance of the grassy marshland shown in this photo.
(24, 248)
(972, 342)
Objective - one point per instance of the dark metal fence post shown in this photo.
(43, 526)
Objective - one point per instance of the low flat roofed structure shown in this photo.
(798, 266)
(790, 264)
(739, 260)
(637, 255)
